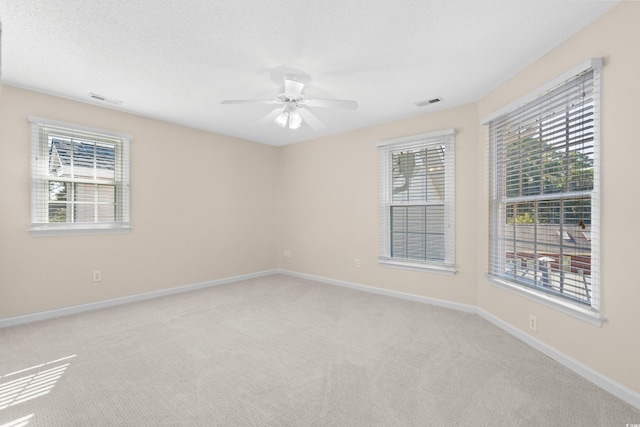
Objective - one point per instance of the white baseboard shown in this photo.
(50, 314)
(618, 390)
(387, 292)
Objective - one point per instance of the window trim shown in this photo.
(77, 228)
(442, 137)
(595, 63)
(592, 313)
(565, 306)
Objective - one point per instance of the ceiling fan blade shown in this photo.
(268, 118)
(292, 88)
(249, 101)
(311, 119)
(332, 103)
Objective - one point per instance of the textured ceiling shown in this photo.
(177, 60)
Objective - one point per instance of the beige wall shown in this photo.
(613, 349)
(202, 208)
(319, 199)
(329, 207)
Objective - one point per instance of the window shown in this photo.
(417, 202)
(544, 193)
(80, 179)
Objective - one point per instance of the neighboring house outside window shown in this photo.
(417, 202)
(80, 179)
(544, 193)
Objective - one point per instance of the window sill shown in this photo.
(38, 230)
(418, 266)
(580, 312)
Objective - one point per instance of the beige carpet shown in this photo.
(282, 351)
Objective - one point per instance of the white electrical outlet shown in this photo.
(533, 322)
(97, 275)
(287, 253)
(356, 262)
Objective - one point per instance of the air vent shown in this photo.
(428, 102)
(104, 99)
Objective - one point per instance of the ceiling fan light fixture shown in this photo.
(295, 120)
(282, 118)
(289, 116)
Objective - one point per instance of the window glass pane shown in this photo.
(106, 213)
(57, 190)
(417, 232)
(106, 203)
(543, 182)
(81, 159)
(84, 154)
(79, 175)
(418, 175)
(59, 157)
(85, 193)
(57, 212)
(416, 219)
(416, 249)
(84, 212)
(549, 250)
(105, 161)
(408, 179)
(435, 219)
(406, 223)
(94, 203)
(577, 211)
(521, 213)
(435, 247)
(435, 173)
(549, 212)
(106, 193)
(417, 201)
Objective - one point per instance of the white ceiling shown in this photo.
(177, 60)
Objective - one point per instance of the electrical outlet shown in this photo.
(533, 322)
(356, 262)
(287, 253)
(97, 275)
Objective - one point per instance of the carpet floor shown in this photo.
(284, 351)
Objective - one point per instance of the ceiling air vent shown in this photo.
(428, 102)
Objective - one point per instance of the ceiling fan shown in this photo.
(295, 106)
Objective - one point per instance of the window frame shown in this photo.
(41, 131)
(421, 141)
(588, 312)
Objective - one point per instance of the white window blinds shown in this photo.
(544, 182)
(417, 201)
(80, 178)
